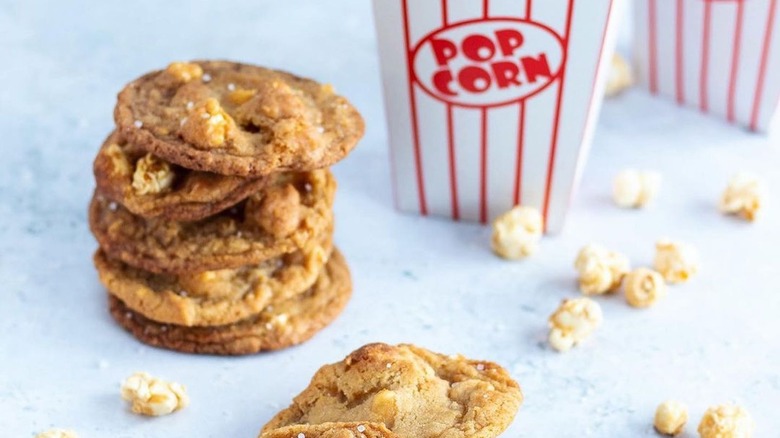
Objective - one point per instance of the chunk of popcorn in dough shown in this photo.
(152, 175)
(208, 125)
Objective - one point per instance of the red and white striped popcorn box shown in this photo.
(721, 56)
(492, 103)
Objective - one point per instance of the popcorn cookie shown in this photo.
(218, 297)
(151, 187)
(281, 325)
(332, 430)
(237, 119)
(411, 391)
(294, 209)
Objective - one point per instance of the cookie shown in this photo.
(282, 325)
(292, 210)
(331, 430)
(218, 297)
(150, 187)
(237, 119)
(411, 391)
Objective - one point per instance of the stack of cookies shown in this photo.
(213, 208)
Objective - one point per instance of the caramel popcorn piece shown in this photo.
(620, 76)
(573, 322)
(516, 233)
(207, 125)
(670, 418)
(644, 287)
(121, 165)
(239, 96)
(211, 284)
(184, 71)
(153, 397)
(743, 197)
(152, 176)
(278, 212)
(600, 270)
(726, 421)
(676, 261)
(635, 189)
(57, 433)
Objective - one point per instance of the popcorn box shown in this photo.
(721, 56)
(491, 103)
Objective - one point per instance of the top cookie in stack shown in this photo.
(213, 207)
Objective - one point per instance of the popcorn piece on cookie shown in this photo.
(208, 125)
(600, 269)
(239, 96)
(643, 287)
(153, 397)
(726, 421)
(670, 418)
(152, 175)
(57, 433)
(635, 189)
(278, 212)
(516, 233)
(184, 71)
(676, 261)
(573, 322)
(744, 196)
(620, 76)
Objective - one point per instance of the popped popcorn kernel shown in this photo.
(516, 233)
(600, 270)
(278, 212)
(744, 196)
(208, 125)
(153, 397)
(643, 287)
(726, 421)
(573, 321)
(240, 95)
(184, 71)
(670, 418)
(57, 433)
(152, 175)
(635, 189)
(620, 76)
(676, 261)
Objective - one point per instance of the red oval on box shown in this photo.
(490, 62)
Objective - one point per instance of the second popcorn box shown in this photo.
(492, 103)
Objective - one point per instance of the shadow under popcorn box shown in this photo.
(720, 56)
(492, 103)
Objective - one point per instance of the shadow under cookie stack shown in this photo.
(213, 208)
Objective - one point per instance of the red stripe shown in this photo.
(483, 168)
(413, 104)
(444, 12)
(528, 8)
(453, 167)
(704, 103)
(556, 122)
(485, 8)
(735, 62)
(770, 23)
(653, 46)
(519, 164)
(679, 58)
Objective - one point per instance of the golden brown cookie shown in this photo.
(237, 119)
(218, 297)
(331, 430)
(279, 326)
(292, 210)
(151, 187)
(412, 391)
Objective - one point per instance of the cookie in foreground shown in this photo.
(413, 392)
(282, 325)
(237, 119)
